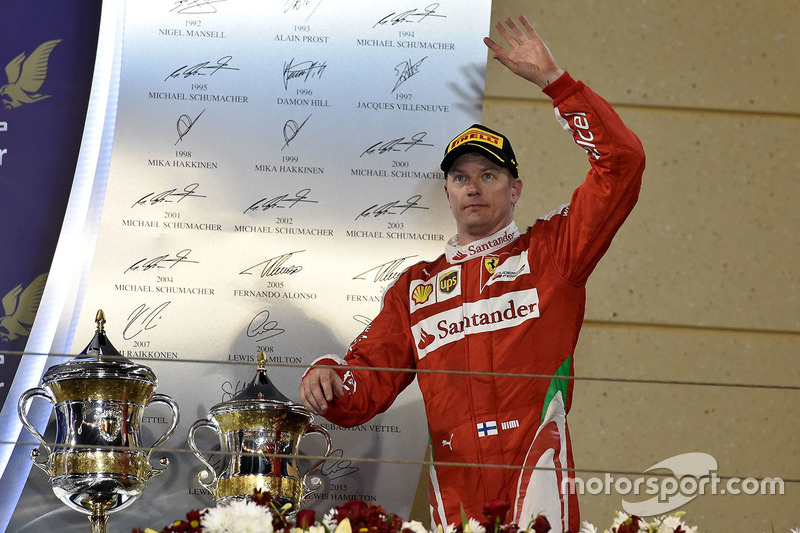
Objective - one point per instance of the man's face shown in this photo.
(481, 195)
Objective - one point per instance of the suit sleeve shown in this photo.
(582, 231)
(385, 343)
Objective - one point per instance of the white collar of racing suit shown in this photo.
(456, 254)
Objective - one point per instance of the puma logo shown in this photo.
(448, 443)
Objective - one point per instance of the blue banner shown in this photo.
(47, 51)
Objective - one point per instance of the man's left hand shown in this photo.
(528, 57)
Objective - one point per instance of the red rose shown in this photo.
(352, 510)
(496, 511)
(541, 525)
(261, 498)
(305, 518)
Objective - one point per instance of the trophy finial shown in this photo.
(262, 360)
(100, 320)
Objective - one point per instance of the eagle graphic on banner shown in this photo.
(19, 309)
(26, 76)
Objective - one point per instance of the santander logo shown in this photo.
(485, 315)
(425, 339)
(487, 244)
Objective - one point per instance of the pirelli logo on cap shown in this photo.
(476, 134)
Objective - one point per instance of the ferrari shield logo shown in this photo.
(490, 263)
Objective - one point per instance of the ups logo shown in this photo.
(448, 282)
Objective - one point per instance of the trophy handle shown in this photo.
(209, 471)
(324, 432)
(22, 408)
(162, 398)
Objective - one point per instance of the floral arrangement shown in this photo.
(633, 524)
(261, 514)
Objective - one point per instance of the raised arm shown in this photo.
(528, 56)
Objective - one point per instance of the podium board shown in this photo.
(274, 166)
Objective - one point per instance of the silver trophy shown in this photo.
(97, 464)
(259, 431)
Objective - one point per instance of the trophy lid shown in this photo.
(99, 345)
(99, 360)
(260, 405)
(261, 387)
(260, 399)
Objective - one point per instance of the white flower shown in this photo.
(587, 527)
(668, 524)
(239, 516)
(620, 518)
(415, 526)
(449, 529)
(475, 526)
(328, 520)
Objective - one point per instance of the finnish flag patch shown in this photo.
(487, 428)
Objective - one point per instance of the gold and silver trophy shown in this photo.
(97, 464)
(259, 431)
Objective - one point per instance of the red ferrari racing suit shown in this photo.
(500, 313)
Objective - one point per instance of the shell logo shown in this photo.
(421, 293)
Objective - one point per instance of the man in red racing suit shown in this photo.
(497, 311)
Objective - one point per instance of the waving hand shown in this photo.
(528, 56)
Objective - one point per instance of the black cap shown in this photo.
(482, 140)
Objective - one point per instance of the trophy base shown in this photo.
(84, 480)
(87, 494)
